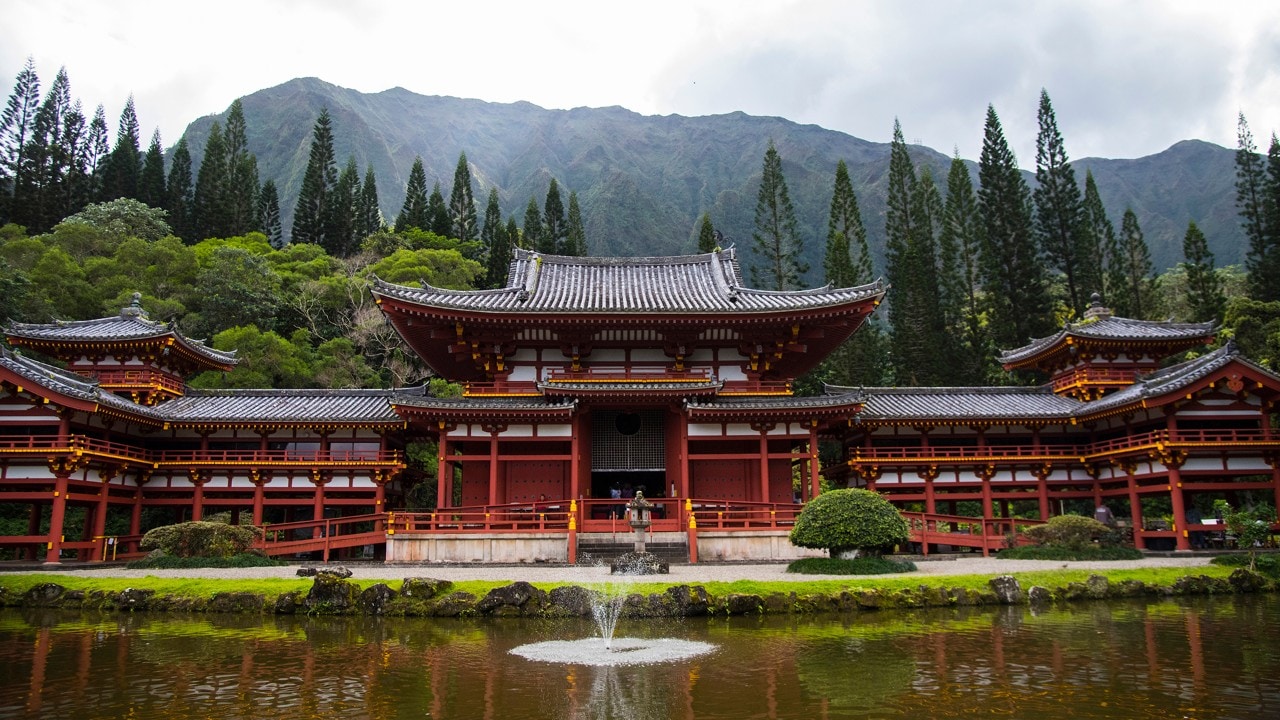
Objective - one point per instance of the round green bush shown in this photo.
(843, 520)
(839, 566)
(202, 539)
(1072, 532)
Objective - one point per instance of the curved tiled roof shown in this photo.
(268, 406)
(69, 384)
(962, 403)
(707, 283)
(131, 325)
(1112, 329)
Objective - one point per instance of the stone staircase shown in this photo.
(604, 551)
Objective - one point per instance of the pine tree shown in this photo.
(1135, 297)
(554, 226)
(462, 204)
(776, 238)
(413, 213)
(179, 195)
(340, 237)
(513, 240)
(125, 162)
(1100, 238)
(209, 215)
(368, 215)
(438, 213)
(311, 213)
(40, 192)
(532, 237)
(17, 123)
(269, 214)
(706, 235)
(77, 190)
(1204, 288)
(959, 243)
(151, 183)
(97, 146)
(860, 360)
(575, 241)
(242, 174)
(498, 242)
(1260, 258)
(1059, 210)
(1012, 269)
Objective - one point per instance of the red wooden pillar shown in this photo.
(1042, 489)
(56, 517)
(764, 464)
(815, 483)
(135, 515)
(317, 507)
(259, 495)
(100, 520)
(197, 499)
(1135, 505)
(444, 489)
(1179, 504)
(33, 527)
(379, 497)
(576, 461)
(493, 467)
(685, 480)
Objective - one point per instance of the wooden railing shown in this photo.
(82, 445)
(986, 534)
(1081, 452)
(135, 379)
(1094, 376)
(628, 374)
(324, 535)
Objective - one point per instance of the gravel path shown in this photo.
(680, 574)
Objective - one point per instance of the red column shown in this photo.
(814, 473)
(1179, 507)
(1135, 507)
(53, 556)
(444, 490)
(100, 521)
(317, 508)
(197, 500)
(259, 496)
(764, 465)
(684, 457)
(135, 515)
(575, 464)
(493, 467)
(379, 497)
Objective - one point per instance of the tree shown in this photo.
(776, 238)
(179, 194)
(959, 248)
(1204, 288)
(368, 216)
(40, 189)
(1133, 298)
(554, 226)
(312, 212)
(236, 288)
(1012, 269)
(242, 185)
(1262, 259)
(706, 235)
(413, 213)
(845, 219)
(853, 520)
(124, 165)
(210, 216)
(575, 241)
(1100, 238)
(438, 213)
(1059, 209)
(462, 204)
(532, 237)
(497, 243)
(96, 148)
(17, 123)
(269, 214)
(151, 182)
(124, 217)
(341, 240)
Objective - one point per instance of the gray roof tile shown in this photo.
(1112, 328)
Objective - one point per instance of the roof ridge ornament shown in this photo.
(134, 308)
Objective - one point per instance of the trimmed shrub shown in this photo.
(243, 560)
(857, 566)
(202, 539)
(1057, 552)
(1072, 532)
(844, 520)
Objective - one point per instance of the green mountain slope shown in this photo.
(644, 181)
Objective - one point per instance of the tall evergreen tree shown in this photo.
(777, 241)
(959, 248)
(17, 124)
(368, 215)
(532, 237)
(151, 183)
(312, 211)
(462, 204)
(554, 225)
(1262, 259)
(847, 263)
(77, 190)
(242, 174)
(413, 214)
(340, 237)
(575, 241)
(125, 161)
(269, 214)
(1135, 297)
(97, 147)
(438, 213)
(179, 193)
(845, 219)
(706, 234)
(41, 190)
(493, 236)
(513, 239)
(210, 217)
(1204, 288)
(1012, 269)
(1059, 208)
(1100, 239)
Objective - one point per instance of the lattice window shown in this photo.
(629, 441)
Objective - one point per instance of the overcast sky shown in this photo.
(1127, 79)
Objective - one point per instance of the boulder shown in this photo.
(133, 599)
(455, 604)
(571, 601)
(337, 571)
(236, 602)
(1007, 590)
(331, 595)
(518, 598)
(376, 598)
(1097, 586)
(1039, 597)
(44, 595)
(1244, 580)
(688, 601)
(742, 604)
(424, 588)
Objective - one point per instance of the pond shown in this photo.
(1190, 658)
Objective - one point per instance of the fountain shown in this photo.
(639, 561)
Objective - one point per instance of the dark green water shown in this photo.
(1215, 658)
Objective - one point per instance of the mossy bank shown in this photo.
(329, 593)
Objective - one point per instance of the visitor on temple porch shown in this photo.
(1103, 515)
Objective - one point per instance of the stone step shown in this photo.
(606, 551)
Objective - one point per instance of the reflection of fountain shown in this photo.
(607, 603)
(639, 561)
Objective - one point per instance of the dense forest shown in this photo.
(974, 266)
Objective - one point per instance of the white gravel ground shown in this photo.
(680, 574)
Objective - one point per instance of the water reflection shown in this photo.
(1196, 659)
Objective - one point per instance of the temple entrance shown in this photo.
(628, 453)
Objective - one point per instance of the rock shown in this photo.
(634, 563)
(1007, 590)
(424, 588)
(456, 604)
(331, 595)
(1244, 580)
(287, 603)
(375, 599)
(44, 595)
(1039, 597)
(689, 601)
(741, 604)
(133, 599)
(236, 602)
(571, 601)
(513, 599)
(336, 571)
(1097, 586)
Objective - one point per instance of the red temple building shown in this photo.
(588, 380)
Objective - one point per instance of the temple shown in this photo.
(588, 380)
